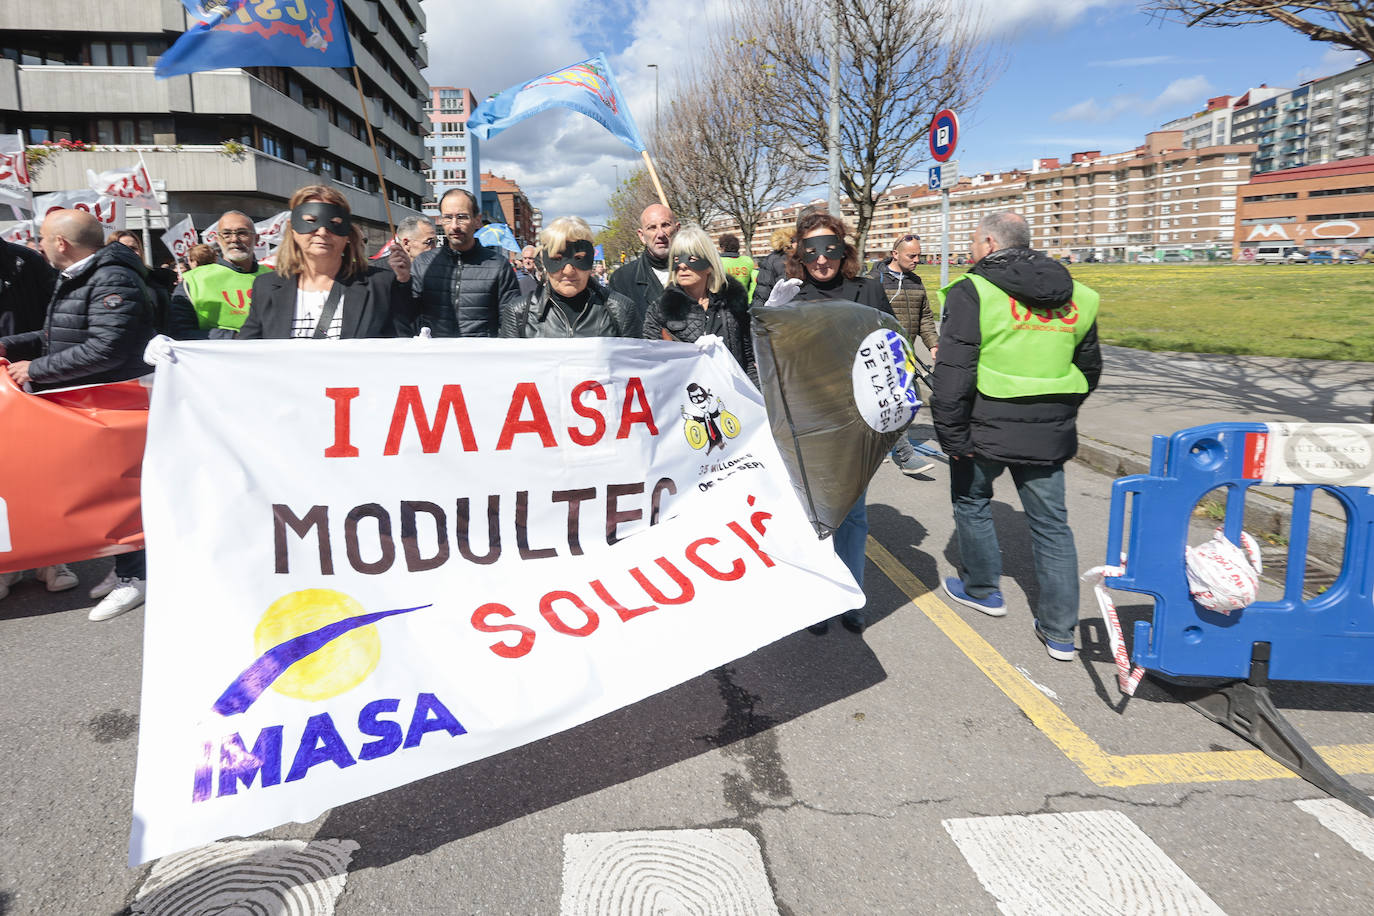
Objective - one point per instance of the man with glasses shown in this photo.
(457, 289)
(212, 301)
(528, 271)
(416, 235)
(907, 295)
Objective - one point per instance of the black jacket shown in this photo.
(637, 282)
(772, 268)
(369, 300)
(606, 314)
(26, 282)
(678, 317)
(859, 289)
(1032, 430)
(907, 294)
(99, 320)
(458, 294)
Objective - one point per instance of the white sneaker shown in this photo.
(106, 586)
(58, 577)
(8, 579)
(125, 596)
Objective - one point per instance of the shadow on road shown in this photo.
(790, 678)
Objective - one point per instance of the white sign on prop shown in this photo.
(180, 238)
(15, 187)
(109, 211)
(131, 185)
(1336, 454)
(383, 559)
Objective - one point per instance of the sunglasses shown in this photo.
(911, 238)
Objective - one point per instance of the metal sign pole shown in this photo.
(944, 237)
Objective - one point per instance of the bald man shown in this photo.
(642, 280)
(98, 322)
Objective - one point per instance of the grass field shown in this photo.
(1313, 311)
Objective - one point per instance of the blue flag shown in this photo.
(265, 33)
(498, 235)
(587, 87)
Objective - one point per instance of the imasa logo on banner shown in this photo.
(429, 552)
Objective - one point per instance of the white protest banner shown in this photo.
(15, 187)
(109, 211)
(131, 185)
(21, 233)
(211, 235)
(180, 238)
(379, 560)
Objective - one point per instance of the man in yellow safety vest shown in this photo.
(212, 301)
(1018, 353)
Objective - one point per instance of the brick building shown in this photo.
(1328, 206)
(510, 205)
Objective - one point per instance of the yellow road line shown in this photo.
(1101, 767)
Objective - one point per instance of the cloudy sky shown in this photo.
(1079, 74)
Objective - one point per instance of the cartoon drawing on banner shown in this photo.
(707, 424)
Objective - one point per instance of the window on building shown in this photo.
(1363, 214)
(1333, 192)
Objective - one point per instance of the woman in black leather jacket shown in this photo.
(701, 298)
(567, 304)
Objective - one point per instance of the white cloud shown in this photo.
(1189, 92)
(1134, 61)
(1185, 92)
(1006, 17)
(1333, 61)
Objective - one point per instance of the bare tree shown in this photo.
(1349, 23)
(901, 62)
(620, 239)
(724, 156)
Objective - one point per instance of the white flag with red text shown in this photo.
(427, 552)
(131, 185)
(16, 190)
(180, 238)
(109, 211)
(21, 233)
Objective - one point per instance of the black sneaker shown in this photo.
(820, 629)
(853, 621)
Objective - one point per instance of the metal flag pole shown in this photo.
(376, 157)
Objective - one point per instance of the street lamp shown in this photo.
(655, 66)
(617, 176)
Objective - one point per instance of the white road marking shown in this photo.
(1344, 821)
(282, 877)
(1083, 863)
(665, 872)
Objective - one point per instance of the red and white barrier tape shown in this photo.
(1127, 678)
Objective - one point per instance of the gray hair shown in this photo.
(233, 213)
(407, 226)
(1007, 228)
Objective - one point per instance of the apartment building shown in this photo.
(1212, 125)
(231, 138)
(453, 152)
(974, 197)
(1327, 206)
(1340, 117)
(504, 202)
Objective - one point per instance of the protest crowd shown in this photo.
(1004, 394)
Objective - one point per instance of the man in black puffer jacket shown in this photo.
(1018, 354)
(457, 289)
(26, 282)
(100, 317)
(99, 321)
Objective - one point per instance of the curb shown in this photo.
(1264, 513)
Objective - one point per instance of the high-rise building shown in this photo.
(223, 139)
(453, 152)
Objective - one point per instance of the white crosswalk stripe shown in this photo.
(1355, 828)
(1082, 863)
(665, 871)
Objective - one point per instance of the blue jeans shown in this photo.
(1041, 489)
(132, 565)
(851, 538)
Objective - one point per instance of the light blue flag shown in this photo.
(236, 33)
(587, 87)
(498, 235)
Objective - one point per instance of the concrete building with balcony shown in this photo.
(1340, 117)
(453, 152)
(232, 138)
(1326, 206)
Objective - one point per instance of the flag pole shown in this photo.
(376, 157)
(653, 173)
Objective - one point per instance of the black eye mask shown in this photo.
(829, 245)
(692, 262)
(579, 254)
(330, 216)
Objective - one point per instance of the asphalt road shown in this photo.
(940, 763)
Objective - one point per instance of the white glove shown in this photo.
(707, 341)
(159, 350)
(783, 293)
(424, 333)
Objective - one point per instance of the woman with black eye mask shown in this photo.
(323, 287)
(567, 304)
(701, 298)
(828, 268)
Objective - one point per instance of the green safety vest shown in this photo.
(742, 269)
(220, 295)
(1025, 353)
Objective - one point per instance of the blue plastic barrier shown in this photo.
(1329, 638)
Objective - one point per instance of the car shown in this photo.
(1300, 257)
(1146, 259)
